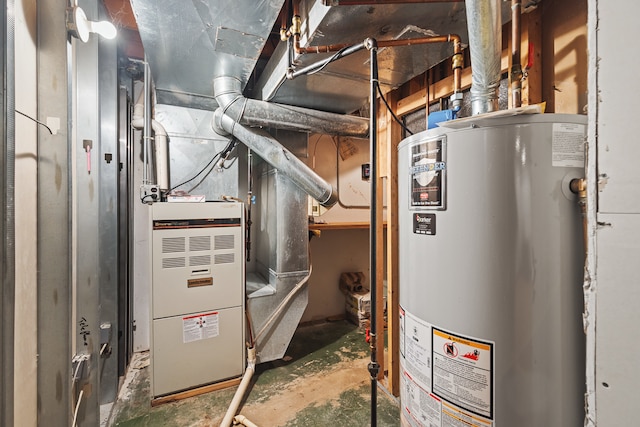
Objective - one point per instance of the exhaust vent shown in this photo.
(223, 242)
(173, 244)
(225, 259)
(200, 260)
(200, 243)
(173, 262)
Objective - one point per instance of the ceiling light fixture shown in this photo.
(79, 26)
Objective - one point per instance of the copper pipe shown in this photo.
(516, 67)
(457, 63)
(579, 187)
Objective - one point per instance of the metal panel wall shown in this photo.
(54, 293)
(108, 218)
(7, 250)
(613, 280)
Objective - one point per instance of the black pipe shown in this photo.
(374, 367)
(316, 66)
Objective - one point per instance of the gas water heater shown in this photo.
(491, 265)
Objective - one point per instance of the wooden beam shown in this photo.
(532, 36)
(195, 392)
(393, 137)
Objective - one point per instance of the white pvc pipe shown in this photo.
(160, 146)
(242, 420)
(242, 388)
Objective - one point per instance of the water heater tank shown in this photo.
(491, 266)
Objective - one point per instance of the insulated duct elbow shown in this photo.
(279, 157)
(252, 112)
(485, 44)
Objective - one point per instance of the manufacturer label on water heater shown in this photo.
(568, 145)
(427, 174)
(424, 224)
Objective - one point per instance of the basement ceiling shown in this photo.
(189, 43)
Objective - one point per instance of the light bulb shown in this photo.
(105, 28)
(82, 27)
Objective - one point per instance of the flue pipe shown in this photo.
(485, 40)
(252, 112)
(277, 156)
(160, 145)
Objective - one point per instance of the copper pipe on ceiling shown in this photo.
(457, 59)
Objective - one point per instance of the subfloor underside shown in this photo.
(322, 381)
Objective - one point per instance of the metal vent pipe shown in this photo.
(277, 156)
(485, 44)
(252, 112)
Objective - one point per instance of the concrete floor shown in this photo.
(322, 381)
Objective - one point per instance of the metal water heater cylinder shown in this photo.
(491, 266)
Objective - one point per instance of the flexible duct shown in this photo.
(225, 121)
(485, 44)
(252, 112)
(161, 147)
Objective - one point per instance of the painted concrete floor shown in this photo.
(322, 381)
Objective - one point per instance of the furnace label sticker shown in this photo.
(200, 327)
(427, 174)
(568, 145)
(463, 375)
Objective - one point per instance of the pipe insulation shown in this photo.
(160, 145)
(274, 153)
(485, 44)
(252, 112)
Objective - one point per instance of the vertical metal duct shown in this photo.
(485, 44)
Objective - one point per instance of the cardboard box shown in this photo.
(360, 300)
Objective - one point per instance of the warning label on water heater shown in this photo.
(568, 145)
(463, 373)
(427, 174)
(200, 326)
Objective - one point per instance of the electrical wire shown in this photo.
(333, 58)
(75, 412)
(37, 121)
(406, 129)
(224, 151)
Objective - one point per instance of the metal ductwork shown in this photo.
(252, 112)
(228, 118)
(485, 41)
